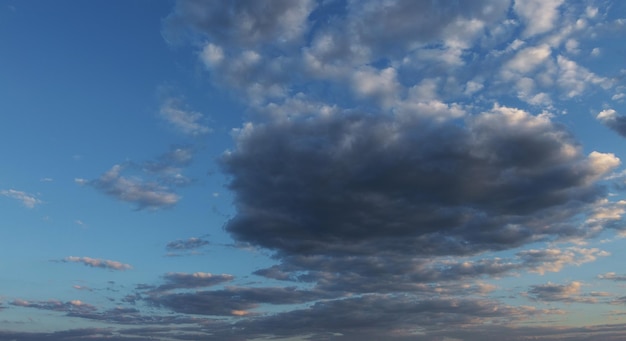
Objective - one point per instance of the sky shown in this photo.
(312, 170)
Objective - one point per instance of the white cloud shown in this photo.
(538, 15)
(382, 85)
(212, 55)
(574, 79)
(28, 200)
(527, 60)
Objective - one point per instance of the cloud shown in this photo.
(28, 200)
(69, 306)
(381, 175)
(232, 301)
(177, 280)
(98, 263)
(244, 22)
(569, 293)
(613, 120)
(146, 195)
(539, 16)
(613, 277)
(168, 167)
(186, 121)
(371, 317)
(389, 187)
(187, 244)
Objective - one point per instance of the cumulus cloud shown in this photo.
(380, 173)
(98, 263)
(27, 199)
(390, 187)
(540, 16)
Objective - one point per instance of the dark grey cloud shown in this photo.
(364, 185)
(388, 273)
(373, 317)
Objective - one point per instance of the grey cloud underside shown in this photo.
(364, 185)
(244, 22)
(617, 123)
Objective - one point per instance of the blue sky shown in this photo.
(323, 170)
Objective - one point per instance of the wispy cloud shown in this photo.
(27, 199)
(561, 293)
(186, 244)
(178, 280)
(146, 195)
(98, 263)
(150, 184)
(186, 121)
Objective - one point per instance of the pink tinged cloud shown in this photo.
(98, 263)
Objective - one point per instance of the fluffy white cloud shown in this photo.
(539, 16)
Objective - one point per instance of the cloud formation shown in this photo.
(357, 184)
(150, 195)
(177, 280)
(150, 184)
(28, 200)
(98, 263)
(186, 121)
(613, 120)
(400, 156)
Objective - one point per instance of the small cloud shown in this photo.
(186, 121)
(613, 120)
(595, 52)
(612, 276)
(98, 263)
(28, 200)
(149, 195)
(178, 280)
(187, 244)
(560, 293)
(81, 181)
